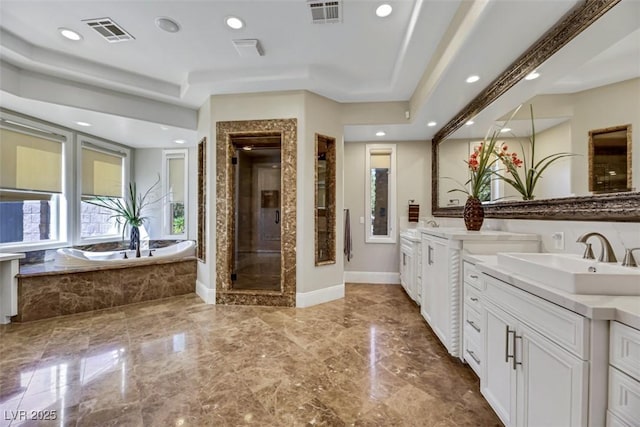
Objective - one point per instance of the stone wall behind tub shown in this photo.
(46, 295)
(621, 234)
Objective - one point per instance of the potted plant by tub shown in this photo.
(128, 211)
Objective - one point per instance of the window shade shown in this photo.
(29, 162)
(380, 161)
(176, 179)
(101, 173)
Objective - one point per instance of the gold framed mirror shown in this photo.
(498, 98)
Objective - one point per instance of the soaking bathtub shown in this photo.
(69, 257)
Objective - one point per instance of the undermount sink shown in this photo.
(573, 274)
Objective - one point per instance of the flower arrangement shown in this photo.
(526, 184)
(480, 164)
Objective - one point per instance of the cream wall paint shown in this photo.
(557, 178)
(599, 108)
(207, 270)
(322, 116)
(148, 166)
(314, 114)
(414, 182)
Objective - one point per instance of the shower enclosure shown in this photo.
(256, 251)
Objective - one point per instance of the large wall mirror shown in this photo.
(586, 92)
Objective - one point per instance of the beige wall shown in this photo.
(556, 179)
(413, 182)
(603, 107)
(314, 114)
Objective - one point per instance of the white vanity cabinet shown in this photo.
(410, 264)
(624, 376)
(535, 359)
(442, 276)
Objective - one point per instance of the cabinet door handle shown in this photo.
(473, 276)
(404, 259)
(507, 356)
(429, 255)
(474, 299)
(473, 356)
(515, 337)
(473, 325)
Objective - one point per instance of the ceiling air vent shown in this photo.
(109, 30)
(323, 12)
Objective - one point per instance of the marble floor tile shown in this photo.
(366, 360)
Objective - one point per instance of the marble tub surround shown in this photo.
(365, 360)
(49, 294)
(225, 215)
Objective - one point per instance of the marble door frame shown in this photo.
(225, 193)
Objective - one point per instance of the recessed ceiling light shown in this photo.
(179, 141)
(469, 123)
(167, 24)
(431, 124)
(247, 148)
(532, 75)
(164, 127)
(505, 130)
(234, 23)
(381, 133)
(384, 10)
(85, 124)
(70, 34)
(472, 79)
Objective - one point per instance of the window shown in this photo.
(380, 182)
(102, 168)
(32, 181)
(175, 188)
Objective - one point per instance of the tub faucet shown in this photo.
(151, 251)
(606, 253)
(432, 223)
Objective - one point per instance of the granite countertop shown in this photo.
(456, 233)
(624, 309)
(10, 257)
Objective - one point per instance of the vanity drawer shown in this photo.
(562, 326)
(472, 324)
(471, 275)
(472, 354)
(472, 297)
(624, 349)
(624, 397)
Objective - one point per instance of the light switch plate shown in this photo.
(361, 220)
(558, 240)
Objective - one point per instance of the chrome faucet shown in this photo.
(629, 260)
(606, 253)
(432, 223)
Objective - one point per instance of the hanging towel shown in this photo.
(347, 235)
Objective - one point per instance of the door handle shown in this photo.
(515, 337)
(277, 216)
(507, 356)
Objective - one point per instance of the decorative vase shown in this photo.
(134, 239)
(473, 214)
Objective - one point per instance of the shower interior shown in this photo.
(257, 255)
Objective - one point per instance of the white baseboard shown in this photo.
(307, 299)
(207, 295)
(372, 277)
